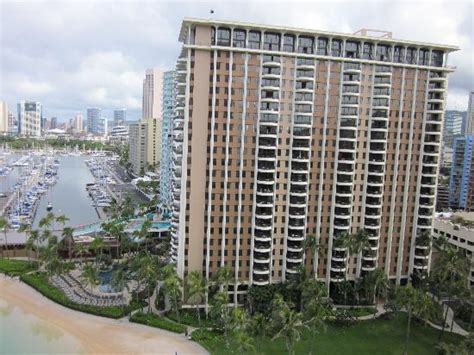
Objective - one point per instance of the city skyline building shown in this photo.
(4, 117)
(94, 116)
(461, 181)
(53, 123)
(77, 123)
(30, 121)
(120, 117)
(454, 126)
(281, 133)
(169, 93)
(152, 93)
(470, 115)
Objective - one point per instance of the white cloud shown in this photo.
(31, 88)
(72, 54)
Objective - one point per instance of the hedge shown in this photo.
(210, 340)
(39, 281)
(12, 267)
(153, 320)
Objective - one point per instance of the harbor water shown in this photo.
(69, 196)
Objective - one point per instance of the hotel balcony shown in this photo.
(264, 189)
(299, 178)
(373, 202)
(427, 191)
(343, 200)
(261, 258)
(265, 178)
(299, 155)
(431, 149)
(266, 166)
(271, 61)
(295, 235)
(297, 201)
(261, 269)
(346, 146)
(425, 212)
(267, 142)
(342, 212)
(297, 212)
(299, 166)
(420, 265)
(298, 189)
(305, 74)
(302, 63)
(376, 169)
(375, 180)
(262, 213)
(429, 170)
(302, 132)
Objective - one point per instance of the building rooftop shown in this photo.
(296, 30)
(465, 219)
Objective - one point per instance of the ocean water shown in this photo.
(25, 333)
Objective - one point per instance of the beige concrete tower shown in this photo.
(4, 119)
(281, 133)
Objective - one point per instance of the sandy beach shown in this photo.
(97, 335)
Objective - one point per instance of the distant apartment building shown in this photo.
(462, 174)
(29, 118)
(152, 86)
(119, 135)
(166, 162)
(145, 135)
(53, 123)
(454, 126)
(120, 117)
(281, 133)
(4, 119)
(470, 115)
(94, 118)
(458, 229)
(442, 197)
(77, 123)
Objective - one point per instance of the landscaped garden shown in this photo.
(299, 316)
(381, 336)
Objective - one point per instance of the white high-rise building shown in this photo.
(145, 136)
(152, 93)
(29, 118)
(470, 115)
(77, 123)
(3, 117)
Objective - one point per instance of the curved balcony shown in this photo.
(295, 237)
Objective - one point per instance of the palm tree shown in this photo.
(67, 234)
(47, 221)
(62, 219)
(90, 275)
(35, 238)
(196, 289)
(223, 278)
(173, 287)
(119, 281)
(25, 228)
(311, 245)
(149, 272)
(4, 225)
(450, 274)
(221, 315)
(416, 302)
(290, 326)
(97, 245)
(81, 249)
(317, 311)
(240, 330)
(379, 282)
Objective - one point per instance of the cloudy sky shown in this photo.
(71, 55)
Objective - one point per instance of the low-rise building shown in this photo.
(458, 229)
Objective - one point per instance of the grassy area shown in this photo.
(366, 337)
(189, 317)
(39, 281)
(13, 267)
(153, 320)
(361, 311)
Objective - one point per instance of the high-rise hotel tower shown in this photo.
(281, 133)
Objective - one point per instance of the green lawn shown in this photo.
(12, 267)
(39, 281)
(365, 337)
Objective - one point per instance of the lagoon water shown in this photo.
(25, 333)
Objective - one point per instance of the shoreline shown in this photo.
(94, 334)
